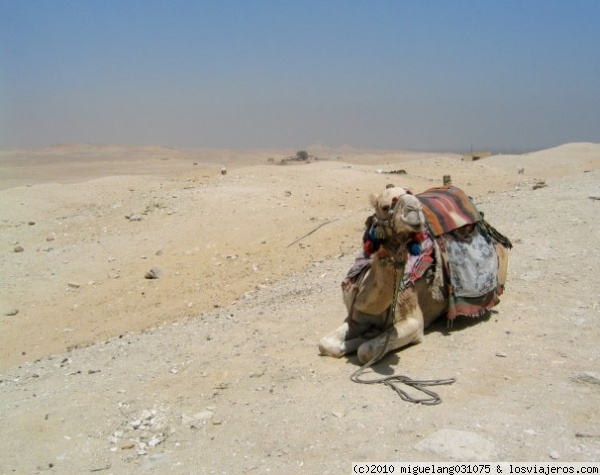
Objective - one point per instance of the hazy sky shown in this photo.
(503, 75)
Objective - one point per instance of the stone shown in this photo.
(153, 273)
(136, 424)
(587, 377)
(11, 312)
(458, 445)
(197, 420)
(154, 441)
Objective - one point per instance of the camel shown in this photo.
(380, 299)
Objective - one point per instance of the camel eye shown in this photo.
(385, 208)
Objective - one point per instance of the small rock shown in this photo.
(154, 441)
(74, 285)
(136, 424)
(554, 455)
(587, 377)
(19, 249)
(31, 223)
(153, 273)
(500, 354)
(197, 420)
(458, 445)
(11, 312)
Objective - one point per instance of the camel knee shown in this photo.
(373, 348)
(405, 333)
(366, 352)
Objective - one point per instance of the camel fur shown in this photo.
(370, 297)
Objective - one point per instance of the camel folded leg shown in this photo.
(405, 332)
(343, 340)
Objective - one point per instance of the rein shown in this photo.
(399, 257)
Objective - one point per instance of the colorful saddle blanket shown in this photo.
(468, 257)
(447, 208)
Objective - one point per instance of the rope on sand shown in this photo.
(309, 233)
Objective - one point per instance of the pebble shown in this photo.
(554, 455)
(154, 441)
(19, 249)
(153, 273)
(11, 312)
(136, 424)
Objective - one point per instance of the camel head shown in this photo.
(399, 211)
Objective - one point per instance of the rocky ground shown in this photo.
(213, 366)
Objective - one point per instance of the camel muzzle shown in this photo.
(411, 212)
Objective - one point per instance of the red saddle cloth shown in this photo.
(447, 208)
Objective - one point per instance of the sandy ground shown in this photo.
(213, 366)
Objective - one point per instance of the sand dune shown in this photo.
(230, 327)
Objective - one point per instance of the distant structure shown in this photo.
(474, 156)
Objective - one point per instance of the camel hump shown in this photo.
(447, 208)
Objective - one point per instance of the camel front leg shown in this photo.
(404, 332)
(342, 341)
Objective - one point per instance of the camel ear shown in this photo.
(374, 198)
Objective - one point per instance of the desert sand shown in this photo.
(213, 366)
